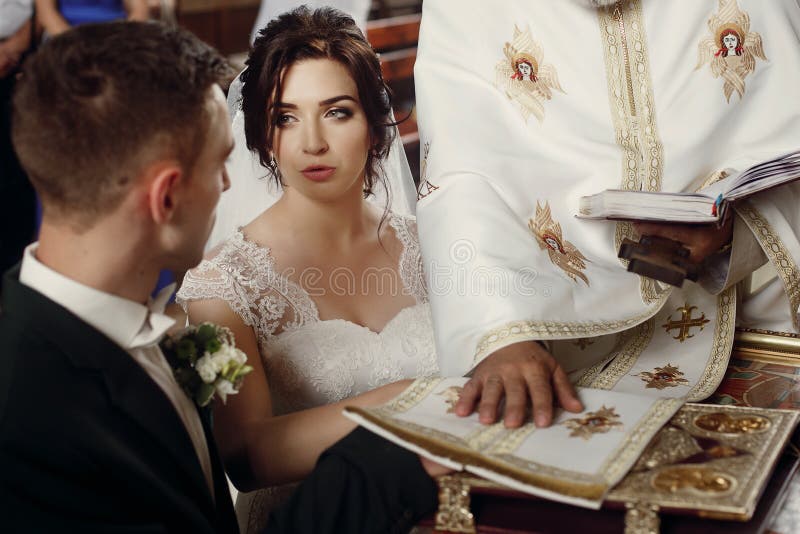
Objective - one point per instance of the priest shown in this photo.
(528, 105)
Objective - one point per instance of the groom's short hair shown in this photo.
(97, 103)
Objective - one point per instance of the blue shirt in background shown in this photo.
(84, 11)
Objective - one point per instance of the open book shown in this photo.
(576, 460)
(728, 451)
(705, 206)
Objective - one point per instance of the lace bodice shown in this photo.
(308, 361)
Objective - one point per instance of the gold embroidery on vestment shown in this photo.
(685, 323)
(721, 349)
(667, 376)
(524, 77)
(631, 100)
(425, 187)
(630, 347)
(731, 49)
(562, 253)
(778, 254)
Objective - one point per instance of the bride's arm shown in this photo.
(259, 449)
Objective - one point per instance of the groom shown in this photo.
(124, 133)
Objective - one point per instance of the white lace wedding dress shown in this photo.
(310, 362)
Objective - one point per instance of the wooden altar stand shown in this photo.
(764, 371)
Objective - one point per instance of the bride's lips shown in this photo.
(318, 173)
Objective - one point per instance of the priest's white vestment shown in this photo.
(526, 105)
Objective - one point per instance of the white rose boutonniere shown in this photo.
(205, 362)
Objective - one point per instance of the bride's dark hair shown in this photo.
(300, 34)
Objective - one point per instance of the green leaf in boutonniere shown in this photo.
(206, 362)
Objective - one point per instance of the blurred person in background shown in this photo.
(57, 16)
(18, 209)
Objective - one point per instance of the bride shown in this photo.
(324, 289)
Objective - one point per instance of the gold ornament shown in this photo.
(524, 77)
(562, 253)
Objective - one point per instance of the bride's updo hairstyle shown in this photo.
(301, 34)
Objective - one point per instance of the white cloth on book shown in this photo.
(528, 105)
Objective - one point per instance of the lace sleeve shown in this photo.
(211, 281)
(243, 275)
(411, 266)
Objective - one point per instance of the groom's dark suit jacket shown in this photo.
(88, 442)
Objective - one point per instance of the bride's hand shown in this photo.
(386, 393)
(433, 469)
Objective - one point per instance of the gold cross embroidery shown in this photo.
(685, 323)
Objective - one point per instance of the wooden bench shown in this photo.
(395, 40)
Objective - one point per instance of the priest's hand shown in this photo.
(701, 240)
(523, 373)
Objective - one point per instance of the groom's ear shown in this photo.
(165, 180)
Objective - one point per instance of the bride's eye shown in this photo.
(284, 119)
(340, 113)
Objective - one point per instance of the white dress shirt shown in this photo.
(13, 14)
(134, 327)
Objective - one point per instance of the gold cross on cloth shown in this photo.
(685, 323)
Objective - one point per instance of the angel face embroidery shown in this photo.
(732, 48)
(562, 253)
(524, 77)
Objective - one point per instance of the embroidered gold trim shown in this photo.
(632, 343)
(412, 395)
(637, 340)
(517, 331)
(631, 101)
(777, 253)
(721, 349)
(591, 373)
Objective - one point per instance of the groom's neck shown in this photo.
(112, 256)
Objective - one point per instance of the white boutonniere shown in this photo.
(205, 362)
